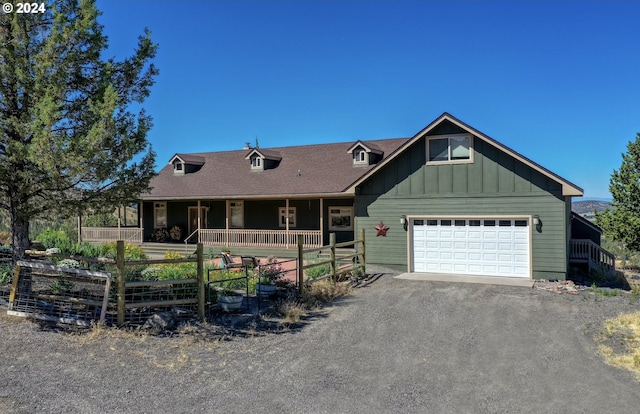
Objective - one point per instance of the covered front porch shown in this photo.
(246, 223)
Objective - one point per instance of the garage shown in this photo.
(471, 246)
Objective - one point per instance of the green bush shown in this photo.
(317, 271)
(55, 238)
(131, 251)
(6, 273)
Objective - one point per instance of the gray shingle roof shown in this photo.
(303, 170)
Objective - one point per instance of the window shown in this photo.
(359, 156)
(256, 163)
(449, 149)
(283, 219)
(460, 223)
(160, 215)
(236, 213)
(178, 167)
(341, 218)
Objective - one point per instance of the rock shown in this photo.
(160, 321)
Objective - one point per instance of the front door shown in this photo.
(193, 219)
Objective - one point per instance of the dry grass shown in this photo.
(620, 342)
(295, 308)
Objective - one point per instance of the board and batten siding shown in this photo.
(495, 184)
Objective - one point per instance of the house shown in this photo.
(450, 199)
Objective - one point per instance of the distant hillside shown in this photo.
(587, 207)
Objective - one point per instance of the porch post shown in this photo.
(199, 221)
(226, 223)
(286, 221)
(119, 219)
(321, 221)
(80, 228)
(141, 219)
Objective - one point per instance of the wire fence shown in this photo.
(83, 290)
(59, 293)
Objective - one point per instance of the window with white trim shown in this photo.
(160, 215)
(282, 220)
(340, 218)
(359, 156)
(456, 148)
(256, 163)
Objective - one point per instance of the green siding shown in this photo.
(494, 184)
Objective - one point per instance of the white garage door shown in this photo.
(487, 247)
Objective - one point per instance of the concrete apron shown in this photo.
(486, 280)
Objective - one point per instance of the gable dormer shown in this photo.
(364, 154)
(186, 163)
(260, 159)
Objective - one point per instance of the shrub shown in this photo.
(271, 272)
(6, 273)
(55, 238)
(69, 263)
(151, 273)
(172, 255)
(160, 235)
(5, 238)
(317, 271)
(176, 233)
(131, 251)
(61, 286)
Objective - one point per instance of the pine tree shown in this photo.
(622, 223)
(68, 141)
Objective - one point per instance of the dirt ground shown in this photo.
(392, 346)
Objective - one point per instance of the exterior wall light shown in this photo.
(403, 219)
(536, 220)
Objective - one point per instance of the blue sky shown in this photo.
(556, 81)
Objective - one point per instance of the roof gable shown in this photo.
(448, 124)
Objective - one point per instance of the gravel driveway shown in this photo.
(399, 346)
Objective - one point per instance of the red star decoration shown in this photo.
(381, 229)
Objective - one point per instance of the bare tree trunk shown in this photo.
(20, 234)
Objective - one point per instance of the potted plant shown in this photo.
(229, 300)
(268, 275)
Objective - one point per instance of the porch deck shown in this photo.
(585, 251)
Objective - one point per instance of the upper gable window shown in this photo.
(178, 167)
(456, 148)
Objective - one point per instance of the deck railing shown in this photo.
(111, 234)
(260, 238)
(586, 251)
(214, 237)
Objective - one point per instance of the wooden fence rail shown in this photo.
(357, 259)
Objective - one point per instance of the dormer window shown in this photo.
(262, 160)
(365, 153)
(178, 168)
(186, 163)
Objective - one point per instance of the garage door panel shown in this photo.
(476, 247)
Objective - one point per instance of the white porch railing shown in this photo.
(586, 251)
(259, 238)
(111, 234)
